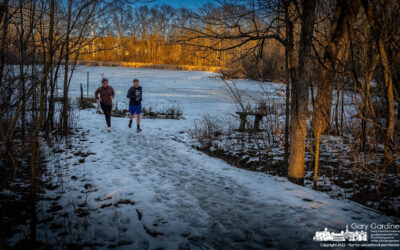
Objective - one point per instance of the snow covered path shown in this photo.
(152, 190)
(149, 191)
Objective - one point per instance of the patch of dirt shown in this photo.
(82, 212)
(106, 205)
(54, 208)
(153, 233)
(124, 202)
(139, 214)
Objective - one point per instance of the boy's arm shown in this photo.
(128, 95)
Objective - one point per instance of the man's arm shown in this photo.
(112, 93)
(128, 95)
(141, 93)
(96, 94)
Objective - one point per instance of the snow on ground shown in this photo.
(197, 92)
(149, 190)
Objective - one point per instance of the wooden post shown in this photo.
(243, 118)
(257, 122)
(81, 92)
(87, 83)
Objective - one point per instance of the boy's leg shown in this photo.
(138, 122)
(138, 119)
(138, 111)
(130, 120)
(131, 111)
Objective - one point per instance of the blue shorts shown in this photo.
(135, 109)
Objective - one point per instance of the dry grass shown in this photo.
(86, 103)
(149, 65)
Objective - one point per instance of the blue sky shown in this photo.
(193, 4)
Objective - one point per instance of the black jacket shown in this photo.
(135, 96)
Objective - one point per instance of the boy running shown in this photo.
(106, 95)
(135, 103)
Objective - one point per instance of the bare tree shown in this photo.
(300, 94)
(382, 17)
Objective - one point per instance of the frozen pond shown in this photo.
(195, 92)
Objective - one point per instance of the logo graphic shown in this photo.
(342, 236)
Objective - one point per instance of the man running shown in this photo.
(135, 103)
(106, 96)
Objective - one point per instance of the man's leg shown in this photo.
(108, 115)
(104, 109)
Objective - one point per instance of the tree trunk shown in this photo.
(50, 114)
(337, 110)
(35, 158)
(321, 116)
(287, 111)
(21, 68)
(290, 73)
(379, 21)
(390, 114)
(4, 22)
(341, 110)
(66, 67)
(335, 52)
(300, 94)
